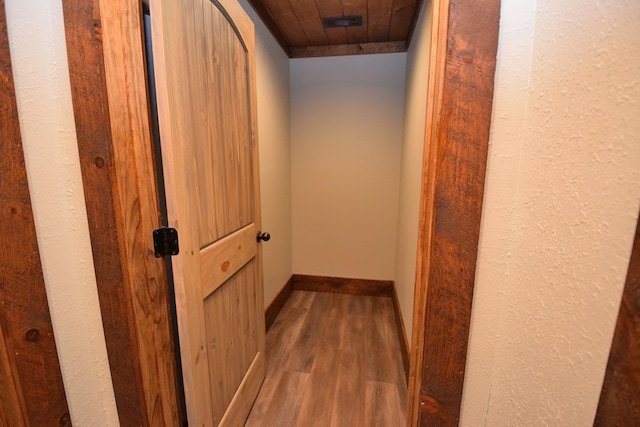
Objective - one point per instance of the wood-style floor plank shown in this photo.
(332, 360)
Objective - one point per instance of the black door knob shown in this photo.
(263, 236)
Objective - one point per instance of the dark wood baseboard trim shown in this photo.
(402, 334)
(278, 302)
(339, 285)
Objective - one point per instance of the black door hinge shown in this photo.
(165, 242)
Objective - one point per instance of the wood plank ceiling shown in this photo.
(386, 25)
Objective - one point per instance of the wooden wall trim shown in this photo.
(402, 334)
(619, 402)
(108, 84)
(275, 307)
(31, 388)
(462, 69)
(263, 12)
(340, 285)
(348, 49)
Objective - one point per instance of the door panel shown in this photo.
(226, 256)
(225, 173)
(204, 61)
(231, 349)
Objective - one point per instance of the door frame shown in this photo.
(108, 82)
(464, 43)
(28, 355)
(105, 50)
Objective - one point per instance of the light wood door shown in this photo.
(204, 62)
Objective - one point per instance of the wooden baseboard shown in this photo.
(376, 288)
(402, 333)
(278, 302)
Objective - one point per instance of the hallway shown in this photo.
(332, 360)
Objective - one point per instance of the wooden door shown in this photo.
(204, 61)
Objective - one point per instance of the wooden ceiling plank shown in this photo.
(329, 9)
(309, 19)
(349, 49)
(379, 14)
(356, 7)
(267, 17)
(297, 25)
(402, 18)
(283, 16)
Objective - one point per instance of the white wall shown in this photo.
(272, 75)
(346, 136)
(39, 59)
(415, 110)
(562, 197)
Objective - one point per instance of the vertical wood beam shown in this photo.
(109, 91)
(619, 404)
(31, 388)
(462, 69)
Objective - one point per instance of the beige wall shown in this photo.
(39, 59)
(272, 74)
(562, 196)
(346, 135)
(411, 167)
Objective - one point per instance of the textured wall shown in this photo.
(562, 197)
(415, 109)
(39, 58)
(346, 136)
(272, 75)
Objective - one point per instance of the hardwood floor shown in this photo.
(332, 360)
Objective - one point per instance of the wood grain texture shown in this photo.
(343, 285)
(439, 21)
(204, 57)
(465, 36)
(402, 333)
(333, 360)
(108, 82)
(31, 389)
(297, 25)
(225, 257)
(378, 20)
(232, 336)
(331, 8)
(267, 17)
(348, 49)
(356, 34)
(619, 403)
(221, 114)
(403, 16)
(310, 21)
(274, 308)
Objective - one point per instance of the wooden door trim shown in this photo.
(109, 91)
(619, 395)
(96, 33)
(462, 68)
(31, 387)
